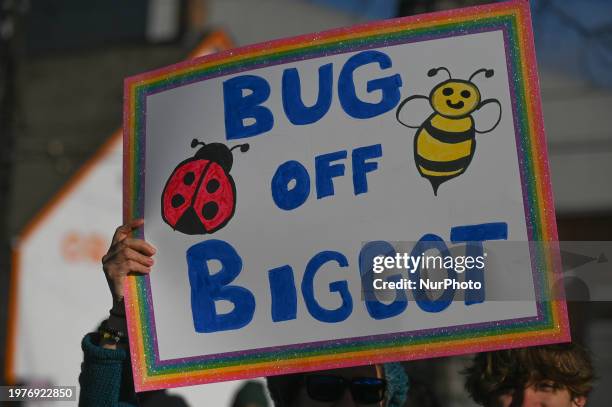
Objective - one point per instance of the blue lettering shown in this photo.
(283, 293)
(296, 111)
(326, 315)
(206, 289)
(389, 86)
(361, 167)
(239, 106)
(377, 309)
(325, 172)
(473, 236)
(427, 242)
(290, 198)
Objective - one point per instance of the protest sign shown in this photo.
(273, 177)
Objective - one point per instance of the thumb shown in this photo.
(124, 231)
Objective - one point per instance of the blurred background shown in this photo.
(62, 65)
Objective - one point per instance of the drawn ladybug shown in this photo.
(200, 195)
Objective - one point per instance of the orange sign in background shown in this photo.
(56, 282)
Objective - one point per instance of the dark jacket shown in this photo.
(106, 376)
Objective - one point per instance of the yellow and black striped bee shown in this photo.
(444, 144)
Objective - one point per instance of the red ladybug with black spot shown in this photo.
(200, 195)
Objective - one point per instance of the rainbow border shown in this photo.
(550, 325)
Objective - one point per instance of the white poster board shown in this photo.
(257, 266)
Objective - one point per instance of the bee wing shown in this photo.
(487, 116)
(413, 111)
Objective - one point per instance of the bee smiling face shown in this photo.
(454, 98)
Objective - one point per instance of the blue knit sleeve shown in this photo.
(106, 377)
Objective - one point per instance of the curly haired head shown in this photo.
(567, 366)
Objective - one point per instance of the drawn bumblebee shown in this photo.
(444, 144)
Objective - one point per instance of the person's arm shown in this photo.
(104, 373)
(116, 322)
(106, 376)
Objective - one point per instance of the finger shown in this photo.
(132, 254)
(139, 245)
(124, 231)
(114, 252)
(134, 266)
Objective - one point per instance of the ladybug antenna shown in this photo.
(195, 142)
(243, 148)
(488, 73)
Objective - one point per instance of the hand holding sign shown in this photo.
(125, 256)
